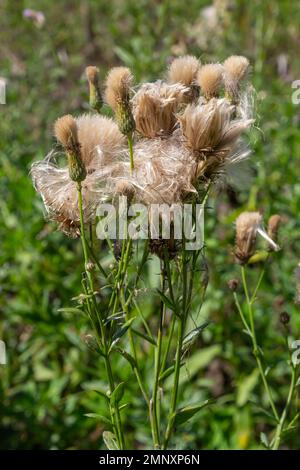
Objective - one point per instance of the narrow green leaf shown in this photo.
(121, 332)
(168, 302)
(144, 336)
(168, 372)
(127, 356)
(101, 418)
(118, 393)
(72, 310)
(184, 414)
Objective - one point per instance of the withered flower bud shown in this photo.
(273, 227)
(247, 225)
(284, 318)
(65, 129)
(233, 284)
(96, 101)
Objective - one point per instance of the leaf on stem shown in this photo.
(117, 394)
(194, 334)
(127, 356)
(184, 414)
(101, 418)
(120, 332)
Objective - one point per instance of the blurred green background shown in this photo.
(45, 386)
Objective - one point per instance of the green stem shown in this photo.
(256, 351)
(280, 425)
(181, 326)
(158, 350)
(120, 436)
(130, 147)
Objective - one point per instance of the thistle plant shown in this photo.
(169, 142)
(248, 227)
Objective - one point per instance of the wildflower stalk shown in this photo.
(124, 304)
(114, 411)
(130, 147)
(180, 336)
(256, 351)
(158, 351)
(280, 425)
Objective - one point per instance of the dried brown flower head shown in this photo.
(236, 69)
(210, 79)
(247, 224)
(212, 136)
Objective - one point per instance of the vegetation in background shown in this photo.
(47, 385)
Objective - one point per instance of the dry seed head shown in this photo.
(247, 225)
(118, 83)
(210, 78)
(184, 70)
(154, 108)
(236, 69)
(65, 130)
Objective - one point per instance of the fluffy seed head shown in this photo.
(118, 83)
(65, 130)
(184, 70)
(246, 228)
(210, 77)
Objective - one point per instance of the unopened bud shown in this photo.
(96, 101)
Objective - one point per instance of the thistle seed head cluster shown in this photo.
(185, 130)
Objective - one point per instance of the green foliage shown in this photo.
(53, 383)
